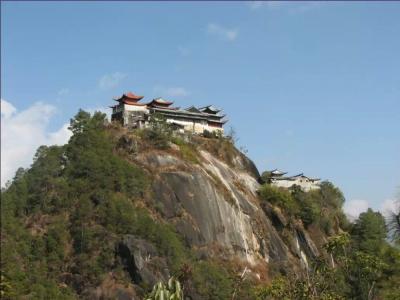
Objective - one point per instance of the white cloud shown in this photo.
(59, 137)
(63, 92)
(23, 132)
(110, 81)
(7, 109)
(388, 206)
(171, 91)
(222, 32)
(353, 208)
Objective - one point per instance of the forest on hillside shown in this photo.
(63, 217)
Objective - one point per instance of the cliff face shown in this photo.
(113, 212)
(214, 205)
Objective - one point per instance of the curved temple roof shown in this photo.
(278, 175)
(193, 109)
(208, 113)
(276, 172)
(210, 108)
(129, 96)
(160, 101)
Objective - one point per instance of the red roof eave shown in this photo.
(133, 96)
(129, 95)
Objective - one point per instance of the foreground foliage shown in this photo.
(359, 262)
(171, 291)
(352, 272)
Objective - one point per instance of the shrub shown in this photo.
(280, 197)
(212, 281)
(163, 236)
(331, 195)
(309, 211)
(210, 134)
(156, 138)
(159, 132)
(177, 140)
(309, 206)
(117, 214)
(189, 153)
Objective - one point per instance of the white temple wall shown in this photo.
(305, 185)
(213, 128)
(195, 127)
(189, 125)
(128, 107)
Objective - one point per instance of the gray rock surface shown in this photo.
(215, 206)
(141, 261)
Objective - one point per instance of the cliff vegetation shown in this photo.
(118, 214)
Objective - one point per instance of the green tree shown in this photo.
(331, 195)
(212, 281)
(309, 206)
(369, 232)
(388, 286)
(50, 213)
(44, 179)
(279, 196)
(362, 271)
(159, 132)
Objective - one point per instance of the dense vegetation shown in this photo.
(62, 218)
(63, 215)
(359, 262)
(322, 207)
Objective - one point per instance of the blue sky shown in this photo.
(309, 87)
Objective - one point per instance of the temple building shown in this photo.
(133, 114)
(276, 173)
(304, 182)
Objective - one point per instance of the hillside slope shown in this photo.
(113, 212)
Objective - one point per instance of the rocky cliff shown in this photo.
(113, 212)
(213, 202)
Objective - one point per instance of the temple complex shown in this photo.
(133, 114)
(306, 183)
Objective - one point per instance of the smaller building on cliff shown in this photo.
(134, 114)
(306, 183)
